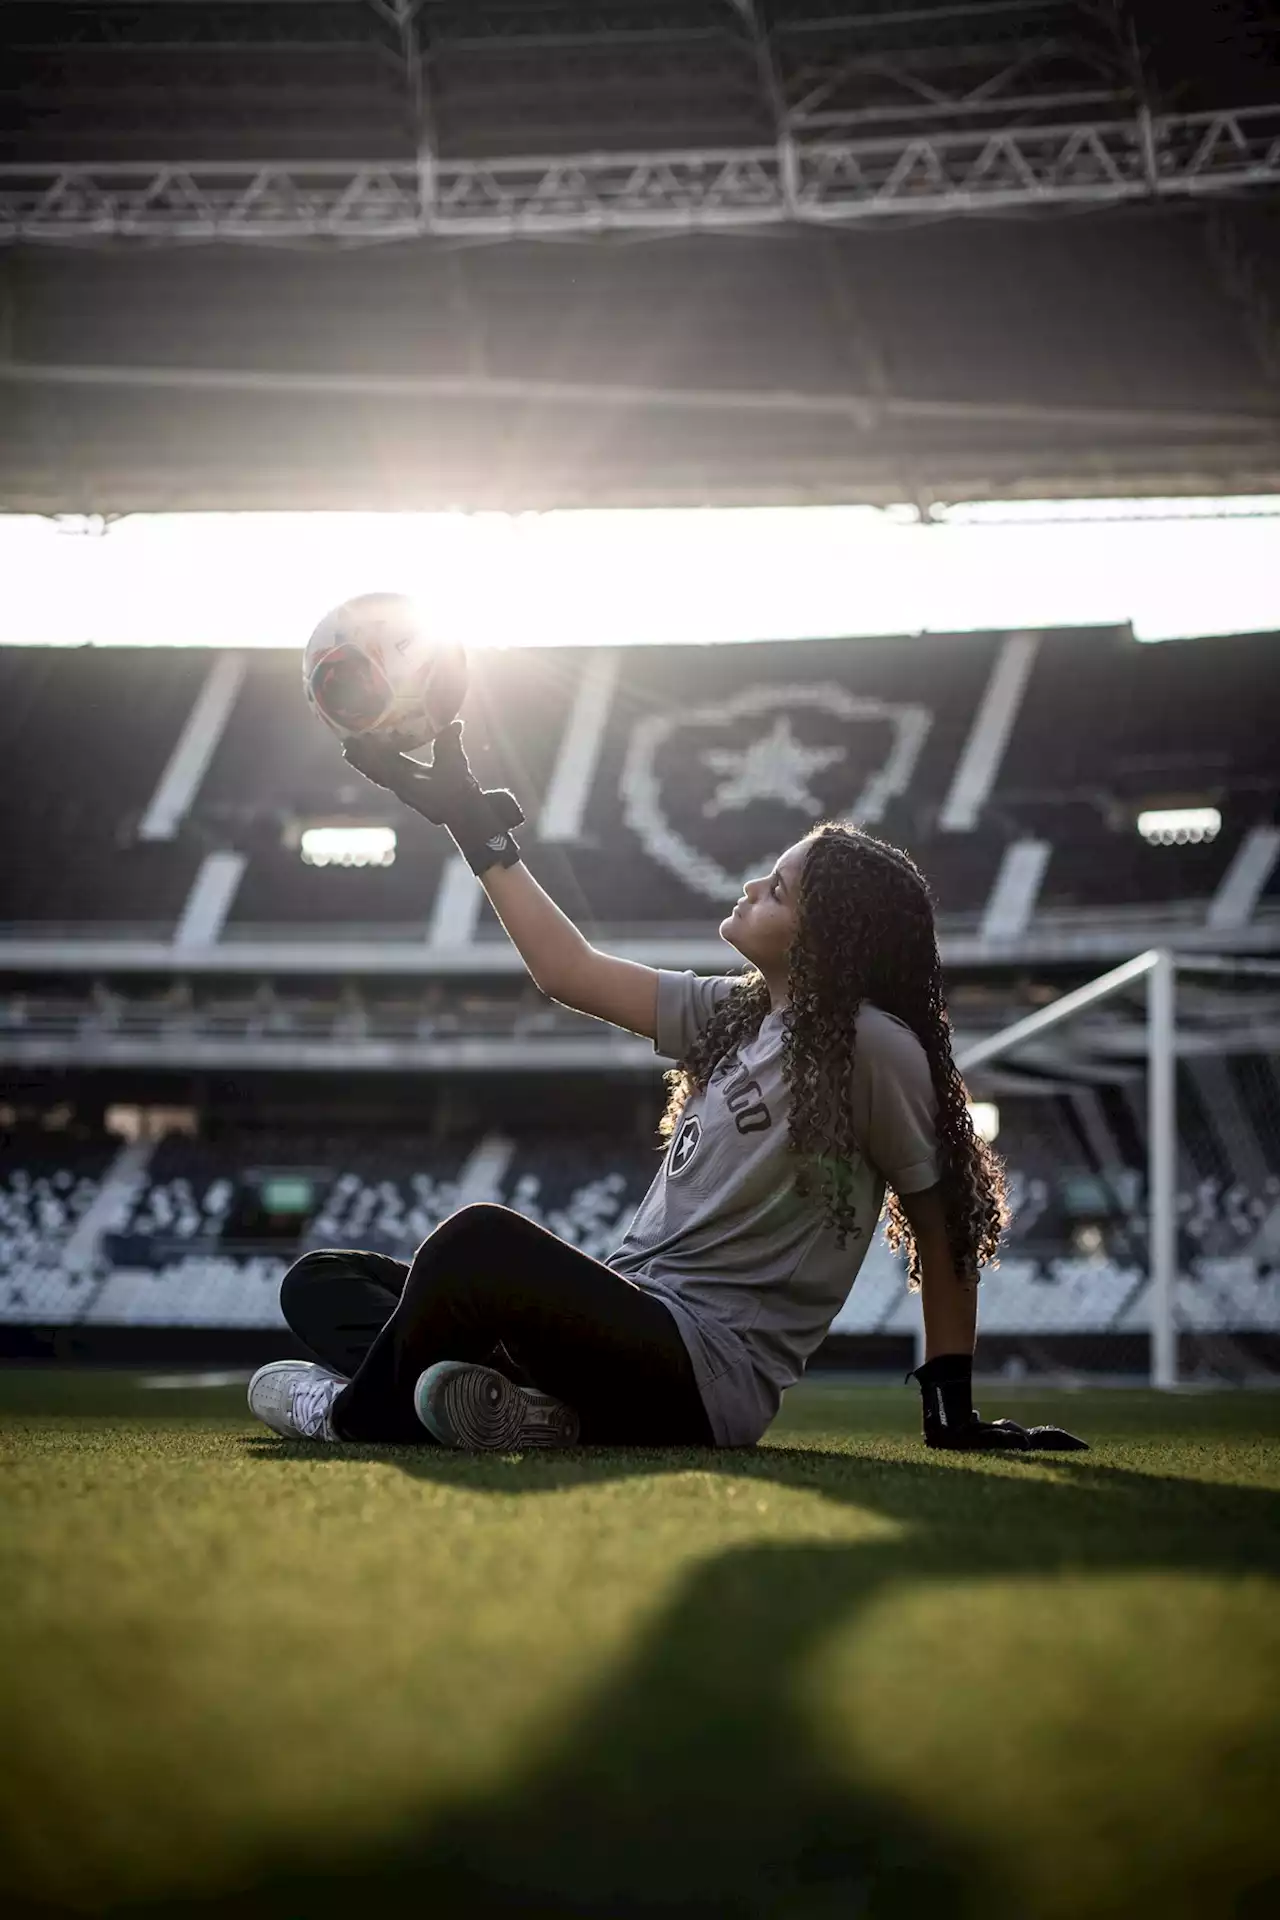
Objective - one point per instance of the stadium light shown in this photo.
(985, 1115)
(1179, 826)
(348, 846)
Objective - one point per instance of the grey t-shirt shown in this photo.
(747, 1268)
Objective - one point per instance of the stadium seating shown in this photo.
(1175, 720)
(170, 1262)
(84, 737)
(867, 728)
(43, 1194)
(656, 796)
(275, 764)
(209, 1290)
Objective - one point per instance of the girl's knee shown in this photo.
(463, 1257)
(477, 1223)
(301, 1278)
(478, 1216)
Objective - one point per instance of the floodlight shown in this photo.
(1179, 826)
(348, 846)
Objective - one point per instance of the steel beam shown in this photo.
(865, 410)
(707, 189)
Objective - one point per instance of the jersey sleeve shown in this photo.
(895, 1109)
(686, 1001)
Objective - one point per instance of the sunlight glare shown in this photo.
(624, 578)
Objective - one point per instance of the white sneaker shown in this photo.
(295, 1399)
(463, 1405)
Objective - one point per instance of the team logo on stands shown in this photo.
(783, 755)
(685, 1145)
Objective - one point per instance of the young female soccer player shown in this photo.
(808, 1086)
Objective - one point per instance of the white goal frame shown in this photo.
(1159, 966)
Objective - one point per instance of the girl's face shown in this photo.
(763, 922)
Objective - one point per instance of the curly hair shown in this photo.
(864, 932)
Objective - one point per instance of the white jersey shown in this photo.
(746, 1267)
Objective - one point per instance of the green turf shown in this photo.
(832, 1676)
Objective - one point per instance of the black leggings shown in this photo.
(491, 1286)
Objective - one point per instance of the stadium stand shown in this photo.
(652, 778)
(85, 735)
(1108, 728)
(873, 728)
(188, 1252)
(647, 801)
(43, 1195)
(270, 770)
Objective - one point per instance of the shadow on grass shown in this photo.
(691, 1784)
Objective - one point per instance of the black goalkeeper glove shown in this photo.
(446, 793)
(951, 1420)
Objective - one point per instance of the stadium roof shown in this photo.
(368, 253)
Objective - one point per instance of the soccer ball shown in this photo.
(372, 666)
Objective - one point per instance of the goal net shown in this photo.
(1139, 1120)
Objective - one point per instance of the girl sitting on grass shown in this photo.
(808, 1087)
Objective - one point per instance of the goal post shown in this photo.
(1235, 1032)
(1162, 1166)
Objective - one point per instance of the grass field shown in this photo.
(835, 1675)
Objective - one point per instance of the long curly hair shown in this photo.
(864, 932)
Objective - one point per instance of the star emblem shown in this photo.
(777, 766)
(686, 1143)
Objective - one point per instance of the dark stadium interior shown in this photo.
(507, 76)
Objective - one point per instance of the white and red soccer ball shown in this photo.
(373, 666)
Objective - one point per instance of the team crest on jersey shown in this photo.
(685, 1145)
